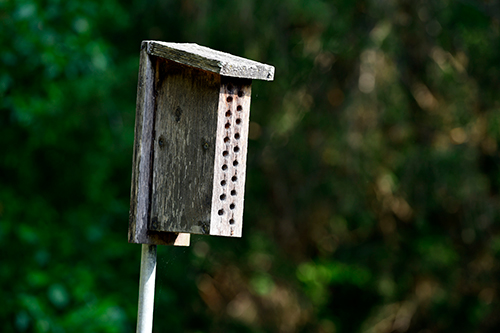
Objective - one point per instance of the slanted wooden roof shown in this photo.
(210, 60)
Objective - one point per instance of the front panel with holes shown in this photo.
(230, 157)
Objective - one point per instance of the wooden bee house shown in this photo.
(191, 135)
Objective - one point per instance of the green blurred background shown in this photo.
(372, 197)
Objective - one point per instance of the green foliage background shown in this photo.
(373, 171)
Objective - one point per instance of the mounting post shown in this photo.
(146, 289)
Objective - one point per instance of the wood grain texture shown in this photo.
(184, 146)
(210, 60)
(140, 201)
(230, 157)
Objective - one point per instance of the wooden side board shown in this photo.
(184, 147)
(140, 201)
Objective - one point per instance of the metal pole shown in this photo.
(147, 289)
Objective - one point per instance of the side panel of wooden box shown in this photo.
(140, 197)
(184, 147)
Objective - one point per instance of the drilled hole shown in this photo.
(239, 108)
(230, 87)
(238, 121)
(221, 211)
(240, 93)
(237, 136)
(232, 206)
(233, 193)
(235, 163)
(228, 114)
(228, 125)
(225, 153)
(223, 197)
(236, 149)
(229, 99)
(223, 183)
(226, 139)
(224, 167)
(231, 221)
(234, 178)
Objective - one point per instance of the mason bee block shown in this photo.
(191, 136)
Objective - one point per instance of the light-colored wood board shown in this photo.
(230, 158)
(210, 60)
(141, 164)
(184, 147)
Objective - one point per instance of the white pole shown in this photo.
(147, 289)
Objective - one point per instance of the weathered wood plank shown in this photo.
(210, 60)
(230, 157)
(140, 197)
(185, 126)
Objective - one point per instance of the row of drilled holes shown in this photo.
(225, 154)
